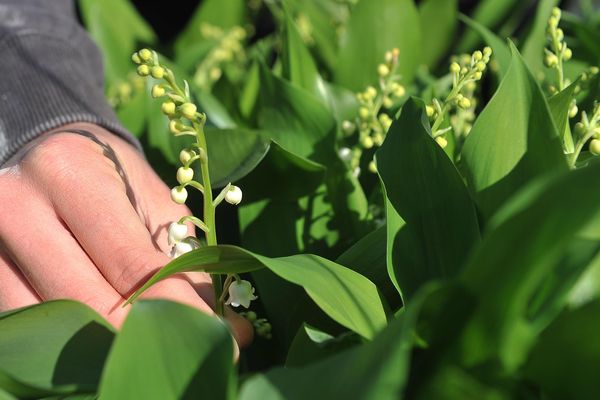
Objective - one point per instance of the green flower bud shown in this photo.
(168, 108)
(430, 111)
(477, 75)
(595, 147)
(188, 110)
(464, 103)
(550, 60)
(145, 55)
(143, 70)
(363, 112)
(158, 91)
(487, 52)
(185, 156)
(399, 91)
(373, 167)
(573, 110)
(441, 142)
(579, 129)
(556, 12)
(158, 72)
(567, 54)
(383, 70)
(367, 142)
(454, 68)
(480, 66)
(370, 93)
(387, 102)
(477, 56)
(136, 58)
(251, 316)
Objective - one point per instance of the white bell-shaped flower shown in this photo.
(182, 248)
(233, 195)
(177, 232)
(241, 293)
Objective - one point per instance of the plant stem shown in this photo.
(209, 214)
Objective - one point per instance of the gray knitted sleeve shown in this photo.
(50, 74)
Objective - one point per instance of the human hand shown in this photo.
(86, 218)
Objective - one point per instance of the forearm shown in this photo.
(48, 74)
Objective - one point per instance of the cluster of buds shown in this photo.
(588, 128)
(121, 92)
(372, 123)
(465, 70)
(228, 49)
(184, 119)
(262, 327)
(556, 54)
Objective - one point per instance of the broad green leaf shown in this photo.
(6, 396)
(566, 359)
(375, 370)
(118, 30)
(426, 190)
(438, 19)
(488, 13)
(501, 52)
(296, 117)
(533, 48)
(167, 350)
(234, 153)
(368, 258)
(346, 296)
(298, 65)
(132, 113)
(311, 345)
(51, 348)
(513, 140)
(376, 26)
(560, 105)
(587, 287)
(507, 284)
(221, 13)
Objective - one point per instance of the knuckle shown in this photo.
(135, 267)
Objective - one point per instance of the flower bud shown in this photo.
(366, 142)
(136, 58)
(387, 102)
(399, 91)
(480, 66)
(556, 12)
(441, 141)
(179, 194)
(567, 54)
(188, 110)
(395, 52)
(385, 121)
(477, 75)
(595, 147)
(241, 293)
(184, 175)
(145, 55)
(158, 72)
(373, 167)
(185, 156)
(573, 110)
(177, 232)
(383, 70)
(143, 70)
(560, 35)
(370, 93)
(454, 68)
(348, 127)
(233, 195)
(251, 316)
(579, 129)
(464, 103)
(158, 91)
(168, 107)
(477, 56)
(430, 111)
(363, 112)
(487, 52)
(345, 153)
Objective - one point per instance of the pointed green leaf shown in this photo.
(513, 140)
(560, 105)
(533, 48)
(376, 370)
(57, 347)
(167, 350)
(425, 189)
(346, 296)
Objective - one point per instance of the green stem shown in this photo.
(572, 160)
(209, 214)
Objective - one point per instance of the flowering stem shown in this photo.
(209, 214)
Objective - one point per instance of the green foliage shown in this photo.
(463, 263)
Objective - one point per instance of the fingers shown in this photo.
(53, 262)
(15, 291)
(96, 208)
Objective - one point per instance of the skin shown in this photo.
(86, 218)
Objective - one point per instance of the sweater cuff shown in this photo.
(51, 74)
